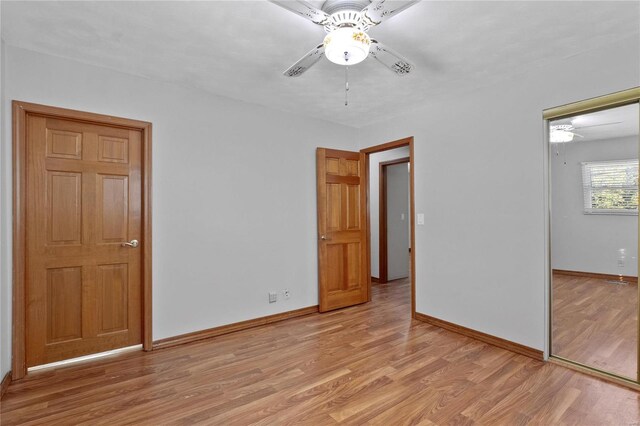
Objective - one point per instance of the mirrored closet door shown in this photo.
(593, 164)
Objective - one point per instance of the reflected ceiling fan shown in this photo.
(347, 42)
(561, 133)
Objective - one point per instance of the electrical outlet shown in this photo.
(286, 293)
(273, 297)
(620, 263)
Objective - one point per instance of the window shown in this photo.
(610, 187)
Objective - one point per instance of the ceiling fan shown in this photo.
(347, 42)
(561, 133)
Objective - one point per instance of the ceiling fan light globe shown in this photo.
(560, 136)
(561, 133)
(347, 46)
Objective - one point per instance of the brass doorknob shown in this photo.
(132, 244)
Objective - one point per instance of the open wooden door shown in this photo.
(342, 229)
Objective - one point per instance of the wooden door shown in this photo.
(342, 229)
(83, 201)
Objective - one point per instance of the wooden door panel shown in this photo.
(85, 196)
(352, 167)
(352, 208)
(113, 289)
(64, 208)
(63, 144)
(342, 242)
(64, 304)
(332, 166)
(346, 267)
(353, 259)
(335, 274)
(113, 150)
(334, 207)
(112, 210)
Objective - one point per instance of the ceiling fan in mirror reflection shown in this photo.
(562, 133)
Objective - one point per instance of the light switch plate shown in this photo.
(420, 218)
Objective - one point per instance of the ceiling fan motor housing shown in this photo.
(345, 13)
(332, 6)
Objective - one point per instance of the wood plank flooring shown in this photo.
(595, 323)
(367, 364)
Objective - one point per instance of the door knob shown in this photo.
(324, 238)
(132, 244)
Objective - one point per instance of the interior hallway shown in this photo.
(369, 363)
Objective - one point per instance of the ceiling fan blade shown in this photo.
(389, 58)
(306, 62)
(304, 9)
(381, 10)
(598, 125)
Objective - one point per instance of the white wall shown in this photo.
(374, 198)
(589, 243)
(397, 221)
(480, 181)
(234, 190)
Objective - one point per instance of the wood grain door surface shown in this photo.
(83, 288)
(342, 229)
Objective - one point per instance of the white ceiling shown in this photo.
(239, 49)
(606, 124)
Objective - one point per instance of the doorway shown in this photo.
(82, 235)
(344, 216)
(394, 247)
(391, 212)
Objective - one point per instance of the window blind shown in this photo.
(610, 187)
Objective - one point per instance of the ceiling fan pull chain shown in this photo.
(346, 86)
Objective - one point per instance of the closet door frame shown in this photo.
(625, 97)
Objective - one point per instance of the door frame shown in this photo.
(382, 215)
(408, 141)
(20, 112)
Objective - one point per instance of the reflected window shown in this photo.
(610, 187)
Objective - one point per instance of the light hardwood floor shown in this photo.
(366, 364)
(595, 322)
